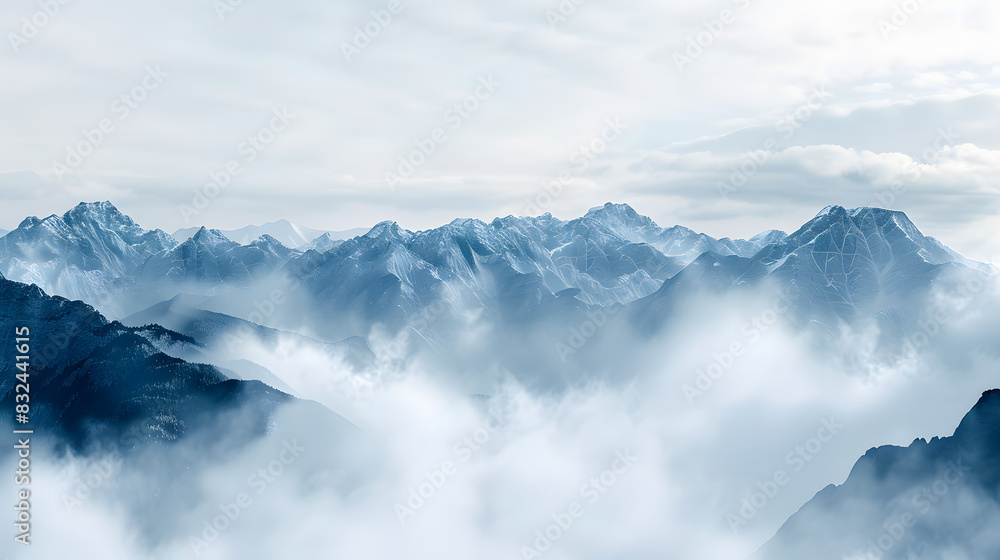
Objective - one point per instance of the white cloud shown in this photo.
(355, 120)
(696, 460)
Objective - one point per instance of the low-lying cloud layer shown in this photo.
(699, 442)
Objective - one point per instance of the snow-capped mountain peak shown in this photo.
(388, 229)
(100, 212)
(211, 237)
(619, 216)
(29, 222)
(78, 254)
(768, 237)
(290, 234)
(874, 228)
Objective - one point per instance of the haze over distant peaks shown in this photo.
(288, 233)
(842, 261)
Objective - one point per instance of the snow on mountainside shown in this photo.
(612, 255)
(510, 269)
(508, 266)
(97, 254)
(677, 241)
(841, 265)
(80, 254)
(288, 233)
(837, 264)
(893, 227)
(860, 260)
(323, 243)
(210, 256)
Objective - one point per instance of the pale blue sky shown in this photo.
(916, 103)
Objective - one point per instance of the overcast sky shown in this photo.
(824, 102)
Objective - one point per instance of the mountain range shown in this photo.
(843, 266)
(289, 234)
(95, 253)
(169, 340)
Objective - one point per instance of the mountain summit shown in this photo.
(289, 234)
(81, 253)
(841, 260)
